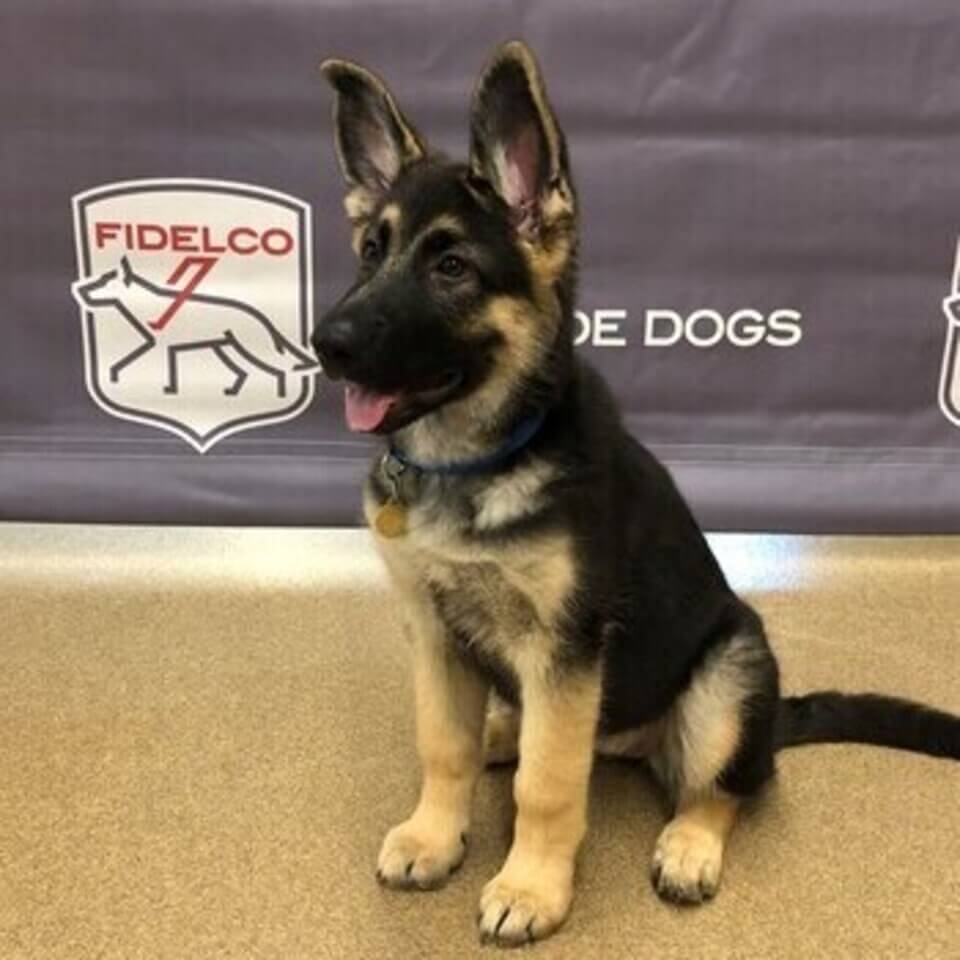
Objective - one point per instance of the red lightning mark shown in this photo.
(204, 265)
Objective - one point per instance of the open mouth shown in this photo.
(369, 411)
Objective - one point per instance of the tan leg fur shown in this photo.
(424, 850)
(530, 896)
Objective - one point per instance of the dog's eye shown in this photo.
(451, 266)
(370, 251)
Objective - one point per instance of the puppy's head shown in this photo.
(466, 270)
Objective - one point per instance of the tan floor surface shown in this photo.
(204, 734)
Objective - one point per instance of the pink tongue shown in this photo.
(366, 410)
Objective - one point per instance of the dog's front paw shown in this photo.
(522, 905)
(686, 863)
(417, 857)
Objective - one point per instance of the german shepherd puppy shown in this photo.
(559, 596)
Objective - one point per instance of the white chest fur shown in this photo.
(507, 597)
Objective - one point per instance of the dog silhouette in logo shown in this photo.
(241, 336)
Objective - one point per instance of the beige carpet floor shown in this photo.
(205, 733)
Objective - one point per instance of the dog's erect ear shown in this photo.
(516, 144)
(374, 140)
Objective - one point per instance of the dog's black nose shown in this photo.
(346, 341)
(338, 342)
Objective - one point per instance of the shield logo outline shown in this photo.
(950, 368)
(200, 441)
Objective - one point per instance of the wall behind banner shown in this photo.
(770, 200)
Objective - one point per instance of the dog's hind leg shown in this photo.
(688, 857)
(279, 376)
(501, 732)
(717, 748)
(242, 374)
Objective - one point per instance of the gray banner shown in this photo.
(770, 223)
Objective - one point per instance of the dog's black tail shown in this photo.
(831, 717)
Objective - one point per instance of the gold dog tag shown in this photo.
(391, 520)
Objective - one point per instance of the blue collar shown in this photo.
(521, 435)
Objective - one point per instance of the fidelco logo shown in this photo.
(950, 371)
(196, 304)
